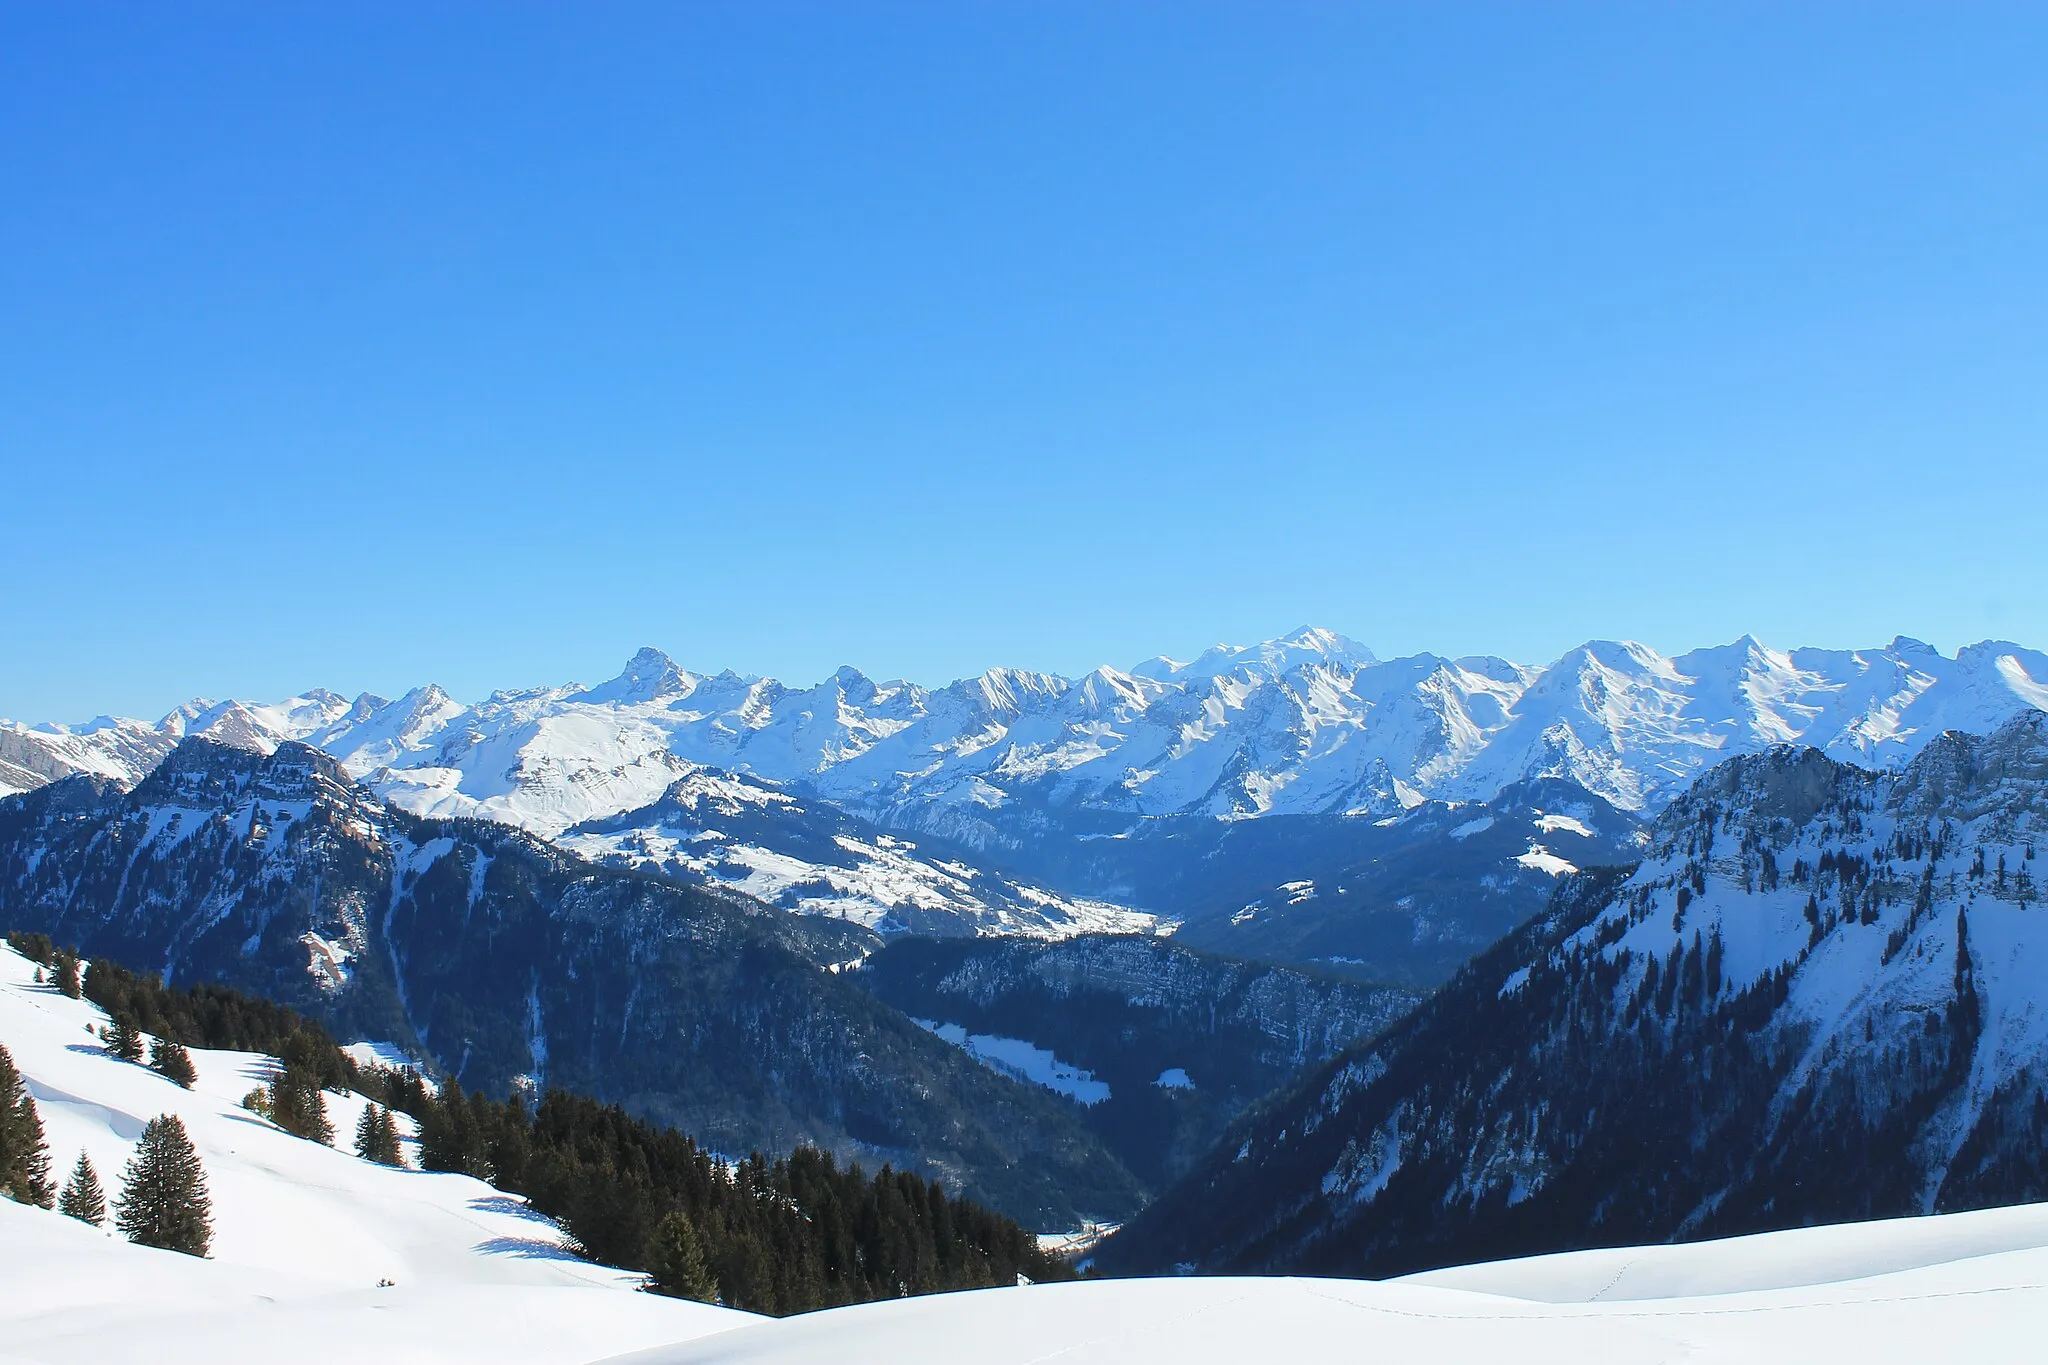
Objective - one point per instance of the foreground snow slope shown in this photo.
(1960, 1287)
(303, 1233)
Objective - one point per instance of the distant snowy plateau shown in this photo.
(890, 803)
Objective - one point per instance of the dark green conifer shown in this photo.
(124, 1040)
(67, 976)
(377, 1136)
(675, 1261)
(24, 1160)
(82, 1198)
(171, 1059)
(298, 1106)
(163, 1200)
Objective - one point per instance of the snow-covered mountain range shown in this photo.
(1310, 723)
(835, 783)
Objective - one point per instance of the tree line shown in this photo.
(778, 1236)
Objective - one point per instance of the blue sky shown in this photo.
(355, 346)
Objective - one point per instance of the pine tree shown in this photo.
(67, 976)
(24, 1160)
(172, 1060)
(298, 1107)
(124, 1040)
(377, 1136)
(163, 1200)
(675, 1261)
(82, 1198)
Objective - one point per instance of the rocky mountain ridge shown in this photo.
(1816, 999)
(1310, 723)
(512, 963)
(992, 804)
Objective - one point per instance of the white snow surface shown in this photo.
(1970, 1286)
(303, 1233)
(1308, 722)
(1024, 1060)
(879, 881)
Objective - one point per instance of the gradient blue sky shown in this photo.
(358, 345)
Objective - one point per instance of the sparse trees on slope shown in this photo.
(24, 1160)
(82, 1198)
(163, 1200)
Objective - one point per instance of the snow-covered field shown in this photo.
(1964, 1287)
(1025, 1061)
(303, 1234)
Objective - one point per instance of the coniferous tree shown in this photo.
(298, 1106)
(82, 1198)
(163, 1200)
(24, 1160)
(377, 1136)
(124, 1040)
(67, 976)
(675, 1261)
(171, 1059)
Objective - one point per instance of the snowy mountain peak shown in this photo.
(1308, 722)
(649, 675)
(1307, 645)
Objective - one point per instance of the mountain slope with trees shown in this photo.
(511, 963)
(1815, 1000)
(774, 1236)
(1182, 1040)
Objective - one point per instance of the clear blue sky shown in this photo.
(358, 345)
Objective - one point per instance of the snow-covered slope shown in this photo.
(303, 1234)
(1962, 1287)
(807, 855)
(1818, 997)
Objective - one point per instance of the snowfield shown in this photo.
(1963, 1287)
(303, 1233)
